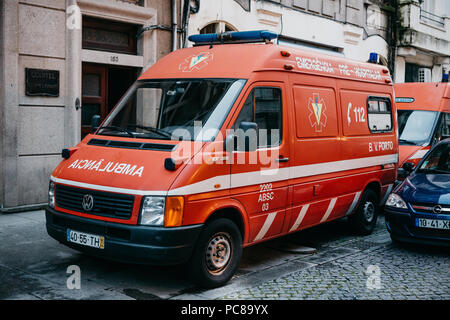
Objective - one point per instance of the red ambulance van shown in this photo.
(423, 120)
(222, 146)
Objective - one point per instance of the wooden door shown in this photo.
(94, 96)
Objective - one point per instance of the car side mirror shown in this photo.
(243, 139)
(230, 143)
(95, 122)
(408, 167)
(247, 136)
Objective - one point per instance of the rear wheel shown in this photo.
(217, 254)
(365, 218)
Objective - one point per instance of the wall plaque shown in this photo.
(41, 82)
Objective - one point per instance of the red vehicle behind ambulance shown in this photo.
(224, 145)
(423, 120)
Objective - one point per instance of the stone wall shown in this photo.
(34, 129)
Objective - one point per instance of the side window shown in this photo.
(263, 106)
(446, 126)
(379, 114)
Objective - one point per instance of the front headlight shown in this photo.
(395, 201)
(51, 194)
(152, 212)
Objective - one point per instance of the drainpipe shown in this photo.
(185, 23)
(174, 25)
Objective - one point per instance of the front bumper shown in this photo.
(401, 226)
(127, 243)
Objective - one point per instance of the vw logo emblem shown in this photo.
(88, 202)
(437, 209)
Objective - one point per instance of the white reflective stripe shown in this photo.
(353, 205)
(249, 178)
(259, 177)
(329, 210)
(206, 185)
(269, 220)
(108, 189)
(263, 176)
(419, 154)
(335, 166)
(386, 195)
(300, 217)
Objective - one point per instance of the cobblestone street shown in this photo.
(344, 266)
(405, 273)
(352, 267)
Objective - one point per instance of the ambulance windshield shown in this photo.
(175, 109)
(415, 126)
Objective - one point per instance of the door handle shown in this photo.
(282, 160)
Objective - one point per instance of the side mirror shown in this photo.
(247, 136)
(408, 167)
(230, 143)
(243, 139)
(95, 122)
(245, 126)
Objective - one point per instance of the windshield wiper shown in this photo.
(407, 141)
(116, 128)
(155, 130)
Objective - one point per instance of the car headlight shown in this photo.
(395, 201)
(51, 194)
(152, 211)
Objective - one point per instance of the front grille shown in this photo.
(431, 208)
(106, 204)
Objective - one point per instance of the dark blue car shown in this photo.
(418, 210)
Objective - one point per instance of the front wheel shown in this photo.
(365, 218)
(217, 254)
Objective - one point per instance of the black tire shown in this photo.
(364, 220)
(221, 239)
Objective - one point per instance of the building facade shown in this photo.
(423, 52)
(63, 61)
(350, 28)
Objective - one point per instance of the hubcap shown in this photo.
(218, 253)
(369, 211)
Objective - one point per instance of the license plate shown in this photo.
(433, 223)
(86, 239)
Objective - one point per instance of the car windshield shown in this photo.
(177, 109)
(416, 126)
(437, 161)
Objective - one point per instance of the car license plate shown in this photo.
(86, 239)
(433, 223)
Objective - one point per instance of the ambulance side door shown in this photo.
(259, 178)
(315, 183)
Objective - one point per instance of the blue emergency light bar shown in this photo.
(373, 57)
(234, 36)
